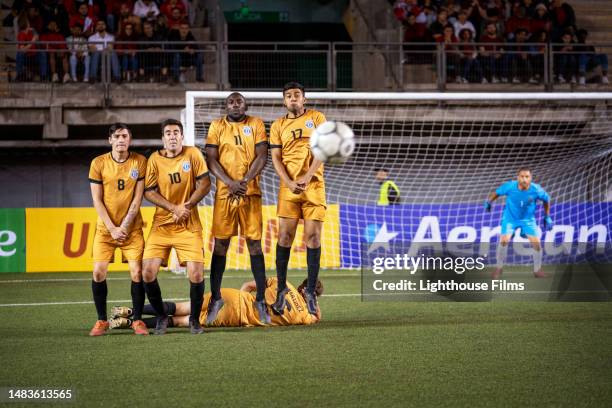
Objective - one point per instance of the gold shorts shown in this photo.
(229, 214)
(309, 205)
(104, 246)
(189, 245)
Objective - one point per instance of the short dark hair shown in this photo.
(524, 168)
(377, 169)
(318, 287)
(293, 85)
(169, 122)
(118, 126)
(521, 30)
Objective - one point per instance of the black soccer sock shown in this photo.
(155, 298)
(100, 291)
(138, 299)
(313, 260)
(169, 309)
(217, 267)
(258, 267)
(150, 322)
(282, 260)
(196, 293)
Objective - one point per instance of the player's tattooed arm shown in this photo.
(261, 157)
(305, 179)
(157, 199)
(236, 188)
(97, 194)
(134, 207)
(277, 161)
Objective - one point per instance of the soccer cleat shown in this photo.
(495, 80)
(214, 307)
(121, 311)
(262, 311)
(561, 79)
(496, 273)
(99, 328)
(120, 323)
(582, 80)
(195, 327)
(162, 325)
(311, 302)
(605, 80)
(541, 274)
(140, 328)
(281, 303)
(516, 80)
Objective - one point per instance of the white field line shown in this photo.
(339, 275)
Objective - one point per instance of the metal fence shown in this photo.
(319, 65)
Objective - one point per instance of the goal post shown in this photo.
(446, 152)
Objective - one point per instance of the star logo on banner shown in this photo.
(383, 236)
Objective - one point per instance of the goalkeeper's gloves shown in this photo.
(487, 206)
(548, 223)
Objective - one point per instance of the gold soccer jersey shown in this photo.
(292, 136)
(175, 178)
(119, 184)
(236, 142)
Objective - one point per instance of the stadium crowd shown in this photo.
(500, 40)
(63, 40)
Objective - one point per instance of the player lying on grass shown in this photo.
(117, 184)
(519, 212)
(238, 309)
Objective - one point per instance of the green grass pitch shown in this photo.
(362, 353)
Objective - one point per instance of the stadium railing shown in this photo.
(332, 66)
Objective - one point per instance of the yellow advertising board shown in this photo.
(61, 240)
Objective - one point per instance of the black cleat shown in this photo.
(262, 311)
(281, 303)
(311, 302)
(161, 327)
(195, 327)
(214, 307)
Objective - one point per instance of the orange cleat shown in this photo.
(541, 274)
(99, 328)
(140, 328)
(496, 273)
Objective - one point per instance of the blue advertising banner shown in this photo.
(466, 223)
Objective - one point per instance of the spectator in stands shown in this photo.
(127, 53)
(169, 5)
(541, 19)
(56, 51)
(99, 42)
(563, 19)
(151, 58)
(27, 55)
(463, 23)
(34, 18)
(175, 20)
(127, 17)
(113, 13)
(146, 9)
(469, 58)
(492, 15)
(589, 58)
(520, 59)
(491, 55)
(189, 55)
(538, 52)
(77, 45)
(85, 19)
(427, 16)
(453, 56)
(437, 27)
(452, 8)
(564, 60)
(530, 7)
(518, 21)
(55, 10)
(415, 32)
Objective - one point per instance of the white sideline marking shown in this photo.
(339, 275)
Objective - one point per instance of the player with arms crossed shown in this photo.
(519, 212)
(236, 152)
(117, 185)
(177, 179)
(302, 190)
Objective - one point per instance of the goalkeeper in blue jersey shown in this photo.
(521, 201)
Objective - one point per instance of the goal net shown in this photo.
(446, 152)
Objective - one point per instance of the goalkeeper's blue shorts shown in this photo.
(528, 227)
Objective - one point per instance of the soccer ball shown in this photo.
(332, 142)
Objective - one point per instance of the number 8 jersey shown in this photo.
(175, 179)
(119, 183)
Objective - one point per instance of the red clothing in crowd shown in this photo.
(514, 23)
(26, 36)
(54, 37)
(114, 6)
(166, 8)
(486, 38)
(415, 33)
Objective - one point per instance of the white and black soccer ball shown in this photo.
(332, 142)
